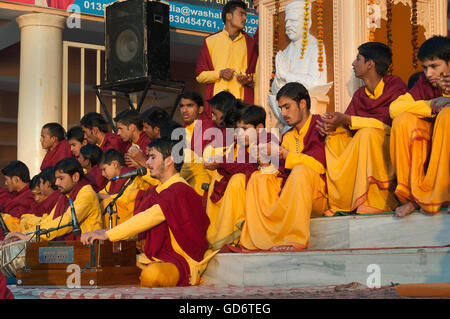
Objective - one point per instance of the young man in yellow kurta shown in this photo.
(420, 141)
(174, 223)
(227, 60)
(280, 200)
(196, 122)
(69, 180)
(226, 197)
(360, 176)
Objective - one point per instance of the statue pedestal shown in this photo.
(319, 103)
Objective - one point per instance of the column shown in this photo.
(39, 83)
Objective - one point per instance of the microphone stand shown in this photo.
(3, 226)
(109, 209)
(38, 232)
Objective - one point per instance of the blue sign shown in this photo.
(95, 7)
(182, 15)
(186, 16)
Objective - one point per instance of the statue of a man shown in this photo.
(288, 65)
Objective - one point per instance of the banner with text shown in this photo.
(197, 15)
(192, 17)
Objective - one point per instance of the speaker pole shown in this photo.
(144, 94)
(130, 103)
(108, 115)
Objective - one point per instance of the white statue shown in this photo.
(290, 68)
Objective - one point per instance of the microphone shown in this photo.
(76, 230)
(141, 171)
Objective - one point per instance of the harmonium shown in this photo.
(70, 264)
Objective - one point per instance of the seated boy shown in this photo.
(419, 145)
(112, 164)
(226, 196)
(279, 202)
(21, 201)
(76, 139)
(360, 176)
(89, 159)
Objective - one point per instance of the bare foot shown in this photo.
(406, 209)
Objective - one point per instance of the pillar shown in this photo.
(39, 84)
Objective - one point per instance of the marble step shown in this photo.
(385, 230)
(369, 267)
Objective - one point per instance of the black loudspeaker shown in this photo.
(137, 40)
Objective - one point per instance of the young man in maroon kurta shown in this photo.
(49, 189)
(53, 141)
(174, 223)
(131, 130)
(95, 130)
(21, 201)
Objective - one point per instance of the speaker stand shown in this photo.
(143, 84)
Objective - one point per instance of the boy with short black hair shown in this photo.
(153, 120)
(196, 123)
(89, 159)
(221, 103)
(96, 132)
(131, 130)
(53, 140)
(17, 179)
(112, 164)
(76, 139)
(49, 189)
(419, 145)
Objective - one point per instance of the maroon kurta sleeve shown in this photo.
(114, 141)
(5, 293)
(22, 203)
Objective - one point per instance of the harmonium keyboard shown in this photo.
(70, 264)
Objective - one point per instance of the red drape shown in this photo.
(362, 105)
(61, 150)
(96, 179)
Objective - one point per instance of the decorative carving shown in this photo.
(432, 15)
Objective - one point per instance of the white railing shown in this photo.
(65, 78)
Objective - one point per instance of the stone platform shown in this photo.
(380, 230)
(344, 255)
(348, 249)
